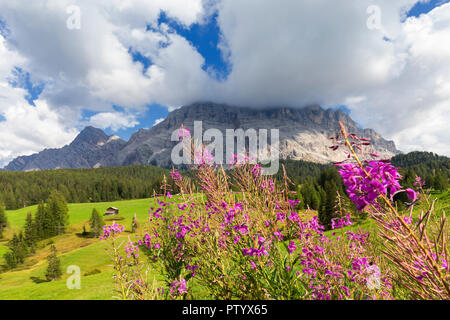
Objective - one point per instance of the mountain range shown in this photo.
(304, 135)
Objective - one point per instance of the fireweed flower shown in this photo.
(408, 220)
(278, 235)
(176, 176)
(337, 223)
(419, 183)
(412, 195)
(192, 268)
(316, 259)
(110, 231)
(292, 247)
(132, 250)
(363, 190)
(178, 288)
(256, 171)
(293, 203)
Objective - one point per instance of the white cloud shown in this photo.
(90, 67)
(114, 120)
(319, 52)
(87, 69)
(25, 129)
(285, 52)
(414, 106)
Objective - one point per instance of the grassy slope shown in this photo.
(88, 254)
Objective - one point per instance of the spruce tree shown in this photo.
(328, 208)
(39, 222)
(429, 181)
(315, 199)
(30, 233)
(300, 197)
(54, 266)
(58, 213)
(96, 223)
(3, 220)
(10, 259)
(440, 182)
(18, 248)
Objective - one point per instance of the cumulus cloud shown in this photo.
(394, 79)
(114, 120)
(88, 68)
(280, 53)
(25, 129)
(413, 107)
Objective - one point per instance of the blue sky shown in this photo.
(425, 7)
(205, 38)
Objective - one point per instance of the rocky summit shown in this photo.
(91, 148)
(303, 132)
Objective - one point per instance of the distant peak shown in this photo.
(90, 135)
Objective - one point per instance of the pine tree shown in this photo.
(440, 182)
(96, 223)
(30, 233)
(39, 219)
(10, 200)
(10, 259)
(54, 266)
(58, 213)
(3, 220)
(315, 199)
(429, 180)
(328, 208)
(18, 248)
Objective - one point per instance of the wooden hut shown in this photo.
(111, 211)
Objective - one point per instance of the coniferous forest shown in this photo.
(22, 189)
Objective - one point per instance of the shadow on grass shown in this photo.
(38, 280)
(86, 235)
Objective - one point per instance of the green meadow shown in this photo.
(27, 281)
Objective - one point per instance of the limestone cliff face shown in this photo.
(304, 135)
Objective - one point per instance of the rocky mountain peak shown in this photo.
(304, 132)
(91, 136)
(304, 135)
(91, 148)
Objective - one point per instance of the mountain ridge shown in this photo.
(89, 147)
(304, 135)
